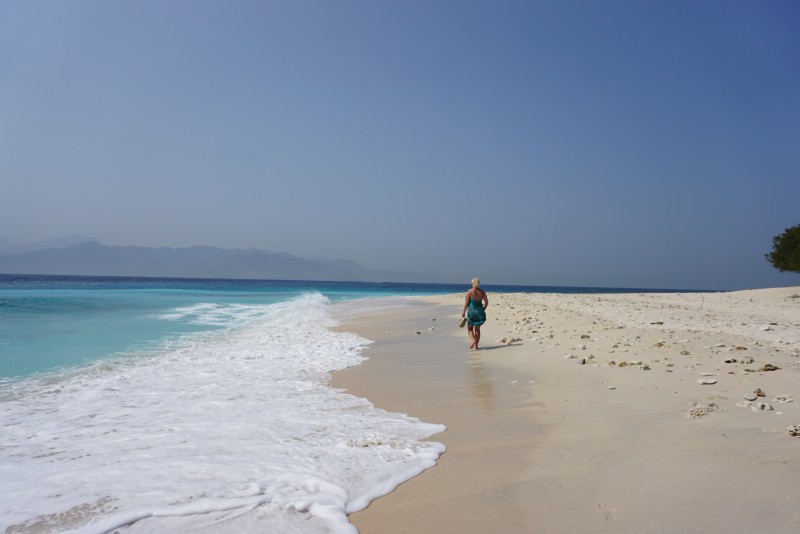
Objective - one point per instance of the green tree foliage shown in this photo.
(785, 255)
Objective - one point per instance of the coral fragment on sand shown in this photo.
(701, 411)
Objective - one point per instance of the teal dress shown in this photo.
(476, 315)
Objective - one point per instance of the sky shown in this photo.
(575, 143)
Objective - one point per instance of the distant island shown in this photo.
(89, 257)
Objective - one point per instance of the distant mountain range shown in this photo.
(7, 247)
(79, 255)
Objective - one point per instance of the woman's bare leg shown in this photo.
(471, 336)
(477, 337)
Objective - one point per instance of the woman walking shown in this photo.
(475, 311)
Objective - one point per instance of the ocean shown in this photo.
(132, 399)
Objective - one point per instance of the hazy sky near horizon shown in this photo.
(582, 143)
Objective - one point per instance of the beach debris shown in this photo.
(612, 388)
(685, 353)
(418, 332)
(756, 407)
(657, 322)
(750, 397)
(747, 360)
(582, 361)
(793, 430)
(765, 328)
(760, 392)
(769, 367)
(699, 411)
(645, 367)
(730, 360)
(623, 364)
(635, 362)
(706, 381)
(585, 336)
(659, 344)
(739, 347)
(782, 398)
(612, 363)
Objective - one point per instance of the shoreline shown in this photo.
(453, 388)
(546, 434)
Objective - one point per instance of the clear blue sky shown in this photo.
(593, 143)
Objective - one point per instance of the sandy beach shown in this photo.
(593, 412)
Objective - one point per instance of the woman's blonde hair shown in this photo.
(476, 282)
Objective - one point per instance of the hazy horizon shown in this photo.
(572, 143)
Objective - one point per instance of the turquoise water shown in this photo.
(48, 323)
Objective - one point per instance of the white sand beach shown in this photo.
(594, 412)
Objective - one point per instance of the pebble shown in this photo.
(750, 396)
(793, 430)
(706, 381)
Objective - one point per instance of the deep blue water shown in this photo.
(52, 322)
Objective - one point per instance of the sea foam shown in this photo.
(220, 424)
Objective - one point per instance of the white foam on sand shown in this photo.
(238, 422)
